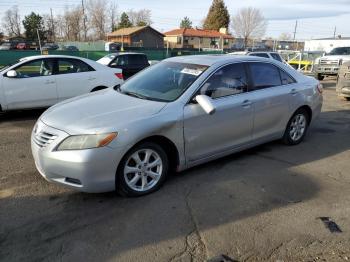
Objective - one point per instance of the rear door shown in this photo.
(271, 96)
(34, 86)
(74, 77)
(137, 62)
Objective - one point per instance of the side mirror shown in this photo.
(206, 103)
(11, 74)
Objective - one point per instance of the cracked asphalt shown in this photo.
(262, 204)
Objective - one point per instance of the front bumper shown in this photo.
(89, 170)
(326, 70)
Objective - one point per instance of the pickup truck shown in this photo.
(330, 63)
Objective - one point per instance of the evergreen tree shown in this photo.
(186, 23)
(124, 21)
(31, 23)
(218, 16)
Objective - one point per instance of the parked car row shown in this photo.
(28, 45)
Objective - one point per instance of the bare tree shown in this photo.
(113, 16)
(69, 25)
(141, 17)
(249, 23)
(97, 14)
(12, 21)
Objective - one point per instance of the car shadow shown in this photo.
(61, 224)
(21, 115)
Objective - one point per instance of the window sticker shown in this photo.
(195, 72)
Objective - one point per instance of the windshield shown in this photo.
(165, 81)
(340, 51)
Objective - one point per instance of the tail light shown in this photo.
(319, 88)
(119, 75)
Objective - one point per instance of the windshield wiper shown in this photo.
(134, 94)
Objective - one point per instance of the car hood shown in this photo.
(103, 111)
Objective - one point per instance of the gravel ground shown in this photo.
(263, 204)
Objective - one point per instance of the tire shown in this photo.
(134, 176)
(320, 77)
(300, 127)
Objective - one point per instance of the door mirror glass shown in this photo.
(206, 103)
(11, 74)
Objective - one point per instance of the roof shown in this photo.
(213, 59)
(131, 30)
(197, 33)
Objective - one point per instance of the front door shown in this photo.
(34, 86)
(232, 123)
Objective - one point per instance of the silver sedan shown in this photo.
(174, 115)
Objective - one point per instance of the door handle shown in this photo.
(293, 91)
(91, 78)
(246, 103)
(49, 82)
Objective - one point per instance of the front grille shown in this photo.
(43, 139)
(329, 62)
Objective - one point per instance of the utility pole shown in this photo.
(84, 19)
(335, 31)
(295, 29)
(52, 27)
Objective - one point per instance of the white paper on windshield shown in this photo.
(195, 72)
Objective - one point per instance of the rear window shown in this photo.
(260, 55)
(276, 57)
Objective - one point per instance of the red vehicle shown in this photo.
(22, 46)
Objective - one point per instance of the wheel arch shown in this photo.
(307, 109)
(167, 145)
(97, 88)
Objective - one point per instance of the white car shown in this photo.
(42, 81)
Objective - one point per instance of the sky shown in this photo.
(316, 18)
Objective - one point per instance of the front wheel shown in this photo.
(143, 170)
(296, 128)
(320, 77)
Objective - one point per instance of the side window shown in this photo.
(286, 79)
(260, 55)
(276, 57)
(226, 81)
(264, 75)
(136, 60)
(69, 66)
(121, 60)
(42, 67)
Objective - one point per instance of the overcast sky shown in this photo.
(316, 18)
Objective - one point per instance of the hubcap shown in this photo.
(143, 170)
(297, 127)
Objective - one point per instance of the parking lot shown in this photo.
(261, 204)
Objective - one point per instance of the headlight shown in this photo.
(86, 141)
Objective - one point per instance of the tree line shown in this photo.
(92, 19)
(88, 21)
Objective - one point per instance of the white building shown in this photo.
(326, 44)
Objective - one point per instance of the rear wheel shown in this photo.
(296, 127)
(143, 170)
